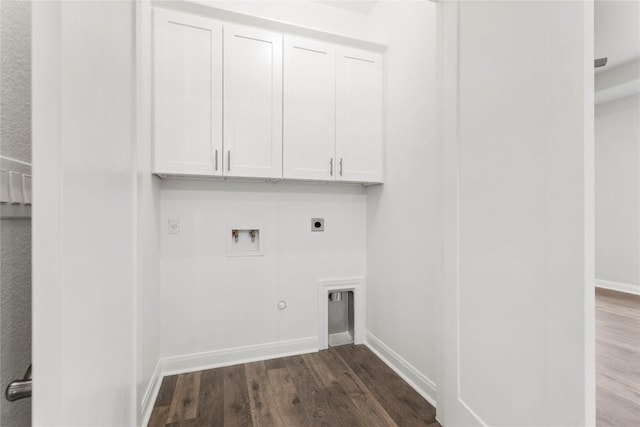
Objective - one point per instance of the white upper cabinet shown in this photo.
(358, 115)
(252, 102)
(187, 94)
(236, 101)
(309, 109)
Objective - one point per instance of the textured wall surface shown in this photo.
(15, 78)
(15, 234)
(15, 296)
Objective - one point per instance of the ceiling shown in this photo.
(617, 27)
(362, 7)
(617, 31)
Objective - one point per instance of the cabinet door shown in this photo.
(187, 94)
(252, 102)
(359, 115)
(309, 109)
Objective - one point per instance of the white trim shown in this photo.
(589, 228)
(210, 9)
(409, 373)
(357, 286)
(46, 140)
(618, 286)
(453, 410)
(237, 355)
(151, 394)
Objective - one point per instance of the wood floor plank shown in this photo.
(394, 395)
(609, 349)
(345, 408)
(342, 406)
(211, 398)
(195, 422)
(184, 405)
(312, 395)
(619, 301)
(322, 372)
(286, 400)
(619, 386)
(347, 399)
(237, 410)
(423, 409)
(259, 395)
(159, 416)
(342, 372)
(614, 327)
(332, 390)
(369, 409)
(616, 367)
(274, 364)
(617, 358)
(167, 388)
(614, 411)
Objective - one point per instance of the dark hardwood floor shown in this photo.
(617, 359)
(342, 386)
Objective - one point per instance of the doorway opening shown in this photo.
(617, 212)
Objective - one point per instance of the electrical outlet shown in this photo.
(317, 224)
(174, 225)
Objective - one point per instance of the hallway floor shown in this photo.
(617, 358)
(342, 386)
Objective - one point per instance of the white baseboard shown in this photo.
(416, 379)
(219, 358)
(151, 394)
(617, 286)
(237, 355)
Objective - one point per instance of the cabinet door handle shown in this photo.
(331, 167)
(216, 161)
(229, 160)
(340, 166)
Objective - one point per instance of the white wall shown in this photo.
(84, 213)
(15, 234)
(213, 302)
(404, 215)
(618, 193)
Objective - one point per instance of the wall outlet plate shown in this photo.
(317, 224)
